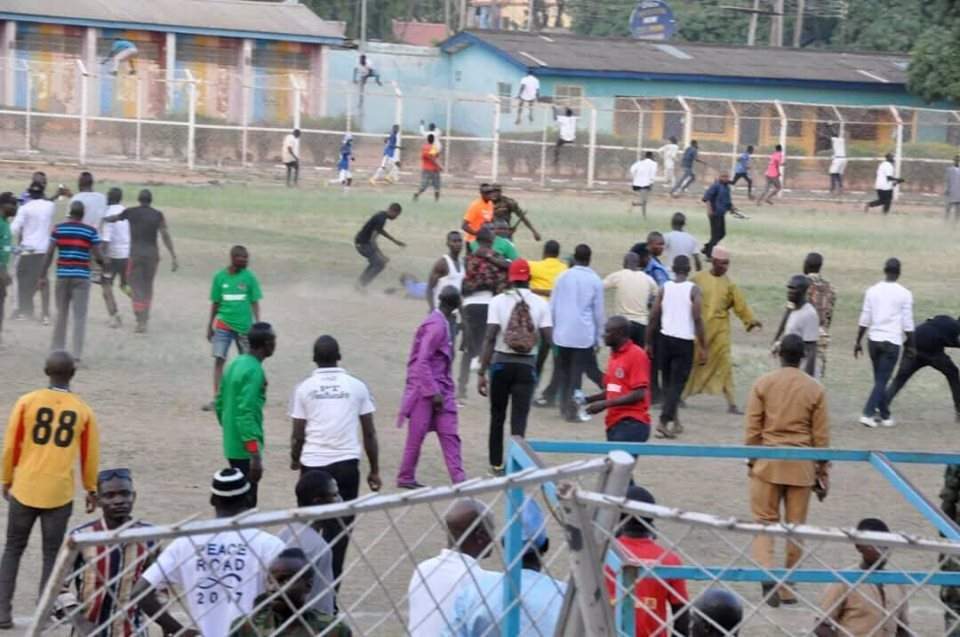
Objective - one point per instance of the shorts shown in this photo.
(345, 175)
(773, 181)
(223, 338)
(116, 267)
(628, 430)
(430, 178)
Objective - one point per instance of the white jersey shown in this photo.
(454, 277)
(529, 87)
(94, 207)
(676, 318)
(116, 234)
(568, 127)
(884, 171)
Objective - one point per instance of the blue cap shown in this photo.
(534, 524)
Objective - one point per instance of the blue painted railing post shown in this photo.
(513, 549)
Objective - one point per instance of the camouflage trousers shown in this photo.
(822, 344)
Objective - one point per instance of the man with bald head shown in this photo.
(48, 431)
(436, 582)
(716, 613)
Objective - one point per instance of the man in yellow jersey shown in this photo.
(47, 431)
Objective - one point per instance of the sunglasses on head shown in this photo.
(108, 474)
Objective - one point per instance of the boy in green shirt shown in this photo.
(234, 306)
(239, 405)
(8, 208)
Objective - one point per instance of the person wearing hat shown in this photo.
(31, 232)
(220, 582)
(479, 213)
(518, 326)
(505, 207)
(479, 609)
(659, 603)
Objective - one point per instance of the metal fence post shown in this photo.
(27, 125)
(592, 153)
(898, 153)
(736, 136)
(191, 119)
(61, 570)
(543, 149)
(297, 94)
(640, 123)
(83, 110)
(783, 144)
(139, 141)
(446, 132)
(687, 121)
(244, 123)
(495, 169)
(398, 117)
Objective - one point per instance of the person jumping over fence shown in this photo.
(122, 50)
(566, 131)
(364, 72)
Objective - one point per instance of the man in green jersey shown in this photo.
(239, 405)
(234, 306)
(8, 208)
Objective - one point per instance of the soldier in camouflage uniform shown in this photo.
(950, 595)
(505, 207)
(822, 297)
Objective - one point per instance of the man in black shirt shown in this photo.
(366, 243)
(931, 338)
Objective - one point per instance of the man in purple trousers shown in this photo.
(429, 400)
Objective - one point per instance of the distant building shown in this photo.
(419, 33)
(514, 14)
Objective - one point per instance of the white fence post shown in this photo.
(27, 125)
(398, 118)
(687, 121)
(137, 152)
(543, 149)
(297, 95)
(640, 123)
(244, 123)
(495, 168)
(447, 130)
(592, 153)
(736, 136)
(191, 119)
(898, 153)
(783, 144)
(83, 110)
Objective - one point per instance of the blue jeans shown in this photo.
(222, 340)
(884, 357)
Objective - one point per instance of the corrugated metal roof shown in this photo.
(279, 20)
(556, 53)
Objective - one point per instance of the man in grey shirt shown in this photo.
(94, 203)
(952, 190)
(315, 487)
(801, 318)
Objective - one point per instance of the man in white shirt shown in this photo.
(885, 183)
(680, 242)
(436, 582)
(426, 131)
(886, 317)
(529, 93)
(643, 173)
(634, 290)
(566, 131)
(669, 153)
(115, 246)
(31, 232)
(838, 163)
(217, 575)
(291, 157)
(327, 410)
(519, 328)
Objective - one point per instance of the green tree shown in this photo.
(935, 64)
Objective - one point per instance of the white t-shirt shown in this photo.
(94, 207)
(884, 170)
(805, 323)
(434, 587)
(839, 146)
(643, 172)
(677, 242)
(501, 307)
(33, 223)
(887, 312)
(529, 86)
(291, 142)
(219, 574)
(331, 401)
(669, 153)
(568, 127)
(117, 234)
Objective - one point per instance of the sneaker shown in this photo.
(497, 471)
(868, 421)
(888, 422)
(410, 485)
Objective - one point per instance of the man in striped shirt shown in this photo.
(76, 244)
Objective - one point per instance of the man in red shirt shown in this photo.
(430, 168)
(652, 595)
(625, 398)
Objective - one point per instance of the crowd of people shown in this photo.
(669, 339)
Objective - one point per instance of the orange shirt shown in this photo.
(428, 159)
(479, 213)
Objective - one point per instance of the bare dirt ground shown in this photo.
(147, 389)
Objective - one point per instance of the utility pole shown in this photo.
(463, 15)
(446, 16)
(776, 25)
(754, 19)
(531, 20)
(798, 25)
(363, 25)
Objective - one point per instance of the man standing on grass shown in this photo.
(720, 295)
(786, 408)
(234, 306)
(239, 405)
(633, 288)
(838, 162)
(505, 207)
(719, 202)
(742, 171)
(951, 191)
(146, 223)
(691, 157)
(291, 157)
(115, 246)
(544, 273)
(8, 208)
(447, 271)
(31, 230)
(328, 410)
(389, 164)
(822, 297)
(429, 399)
(76, 245)
(886, 317)
(366, 243)
(430, 169)
(885, 183)
(48, 431)
(479, 213)
(344, 176)
(643, 173)
(680, 242)
(94, 203)
(774, 176)
(800, 318)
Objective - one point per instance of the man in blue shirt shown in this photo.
(743, 171)
(718, 201)
(344, 176)
(120, 51)
(390, 164)
(578, 318)
(691, 156)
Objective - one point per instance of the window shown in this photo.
(568, 95)
(505, 93)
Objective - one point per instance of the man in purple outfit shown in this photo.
(429, 401)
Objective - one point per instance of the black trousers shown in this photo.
(293, 172)
(718, 230)
(940, 361)
(836, 182)
(883, 356)
(244, 465)
(884, 198)
(628, 430)
(336, 531)
(638, 333)
(513, 384)
(676, 363)
(376, 262)
(746, 178)
(571, 364)
(474, 330)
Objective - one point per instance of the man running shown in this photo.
(691, 157)
(823, 298)
(31, 231)
(366, 243)
(291, 157)
(885, 182)
(234, 306)
(430, 169)
(931, 338)
(719, 202)
(146, 222)
(742, 171)
(8, 208)
(774, 177)
(344, 175)
(951, 191)
(388, 170)
(528, 95)
(75, 244)
(643, 173)
(566, 131)
(505, 207)
(479, 213)
(49, 430)
(429, 399)
(669, 152)
(239, 405)
(115, 247)
(447, 271)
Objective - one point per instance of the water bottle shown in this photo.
(580, 400)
